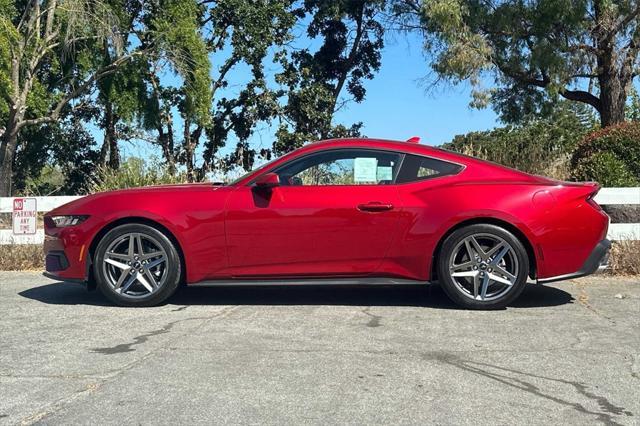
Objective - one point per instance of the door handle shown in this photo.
(375, 206)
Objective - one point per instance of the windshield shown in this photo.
(244, 176)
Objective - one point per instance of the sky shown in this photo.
(400, 103)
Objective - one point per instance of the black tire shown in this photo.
(464, 297)
(170, 275)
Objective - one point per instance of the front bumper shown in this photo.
(598, 260)
(66, 254)
(56, 260)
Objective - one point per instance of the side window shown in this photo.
(415, 167)
(342, 167)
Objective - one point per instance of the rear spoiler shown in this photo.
(585, 190)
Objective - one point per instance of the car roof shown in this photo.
(360, 142)
(394, 145)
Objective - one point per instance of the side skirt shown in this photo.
(307, 281)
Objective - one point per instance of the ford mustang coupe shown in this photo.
(348, 211)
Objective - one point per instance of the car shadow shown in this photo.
(430, 296)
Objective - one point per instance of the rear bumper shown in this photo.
(597, 260)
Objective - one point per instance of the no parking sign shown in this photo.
(25, 214)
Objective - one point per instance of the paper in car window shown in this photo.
(364, 169)
(385, 173)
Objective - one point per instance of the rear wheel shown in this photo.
(483, 267)
(136, 265)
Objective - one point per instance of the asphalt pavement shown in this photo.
(565, 353)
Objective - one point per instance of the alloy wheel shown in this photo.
(483, 267)
(135, 265)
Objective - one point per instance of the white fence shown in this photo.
(606, 196)
(617, 196)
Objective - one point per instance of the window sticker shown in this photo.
(385, 173)
(364, 169)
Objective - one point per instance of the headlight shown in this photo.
(64, 221)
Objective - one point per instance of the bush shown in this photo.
(625, 258)
(21, 257)
(541, 146)
(135, 172)
(609, 156)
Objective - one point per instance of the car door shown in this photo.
(334, 213)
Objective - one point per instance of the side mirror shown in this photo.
(267, 181)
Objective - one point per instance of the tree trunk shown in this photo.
(613, 91)
(188, 151)
(110, 137)
(7, 153)
(8, 145)
(191, 140)
(114, 153)
(612, 100)
(104, 153)
(166, 142)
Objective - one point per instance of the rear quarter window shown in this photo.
(416, 168)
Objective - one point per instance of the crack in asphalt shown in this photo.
(128, 347)
(608, 409)
(375, 319)
(583, 300)
(634, 367)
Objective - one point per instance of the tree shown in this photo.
(352, 38)
(238, 36)
(251, 30)
(51, 61)
(538, 50)
(38, 36)
(120, 93)
(56, 158)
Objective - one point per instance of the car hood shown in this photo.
(102, 200)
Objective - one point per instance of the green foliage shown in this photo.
(176, 31)
(55, 159)
(251, 29)
(238, 36)
(352, 39)
(135, 172)
(126, 90)
(632, 109)
(540, 146)
(537, 51)
(609, 156)
(8, 35)
(48, 182)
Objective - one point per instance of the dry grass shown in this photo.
(625, 258)
(21, 257)
(557, 168)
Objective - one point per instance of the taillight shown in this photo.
(592, 202)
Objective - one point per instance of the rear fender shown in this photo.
(499, 218)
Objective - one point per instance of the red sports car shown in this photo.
(349, 211)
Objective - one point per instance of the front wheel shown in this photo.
(136, 265)
(483, 267)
